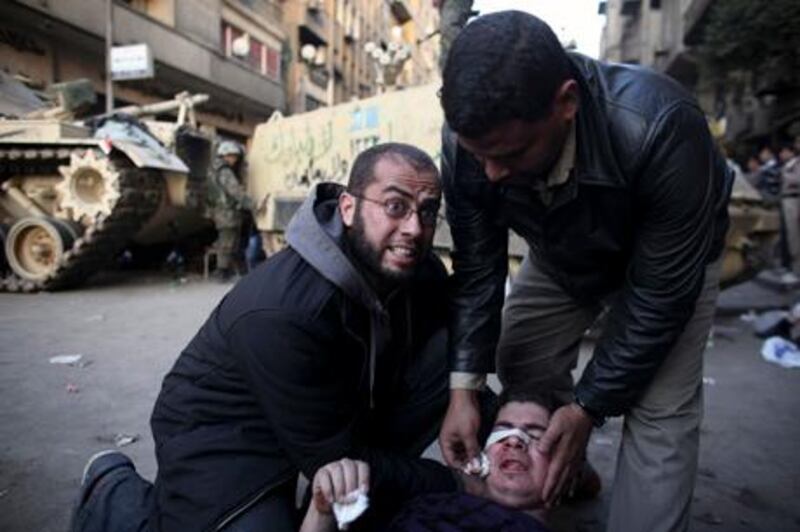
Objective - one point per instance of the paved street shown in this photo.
(130, 329)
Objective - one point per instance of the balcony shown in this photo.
(266, 8)
(314, 27)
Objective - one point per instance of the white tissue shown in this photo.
(356, 503)
(478, 466)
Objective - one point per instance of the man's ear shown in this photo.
(568, 99)
(347, 208)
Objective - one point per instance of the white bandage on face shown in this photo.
(355, 504)
(502, 434)
(480, 465)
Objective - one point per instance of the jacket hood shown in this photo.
(316, 232)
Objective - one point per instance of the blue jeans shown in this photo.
(114, 498)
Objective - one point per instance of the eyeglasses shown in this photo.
(400, 209)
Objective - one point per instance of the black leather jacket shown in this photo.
(643, 213)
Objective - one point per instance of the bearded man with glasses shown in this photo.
(335, 347)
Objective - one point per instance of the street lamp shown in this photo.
(388, 61)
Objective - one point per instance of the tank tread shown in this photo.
(140, 194)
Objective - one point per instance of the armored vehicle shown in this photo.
(290, 154)
(72, 193)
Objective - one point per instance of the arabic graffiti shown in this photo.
(302, 151)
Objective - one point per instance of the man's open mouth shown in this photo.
(511, 465)
(404, 251)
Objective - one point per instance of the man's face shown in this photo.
(392, 247)
(519, 149)
(518, 471)
(231, 159)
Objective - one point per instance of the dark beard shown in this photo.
(370, 258)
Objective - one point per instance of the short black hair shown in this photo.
(544, 398)
(363, 171)
(502, 66)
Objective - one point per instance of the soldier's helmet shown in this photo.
(228, 147)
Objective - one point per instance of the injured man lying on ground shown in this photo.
(512, 470)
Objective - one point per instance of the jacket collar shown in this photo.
(596, 162)
(316, 232)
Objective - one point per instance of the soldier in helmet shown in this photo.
(226, 200)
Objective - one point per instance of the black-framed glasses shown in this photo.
(398, 208)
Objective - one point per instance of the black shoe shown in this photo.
(101, 463)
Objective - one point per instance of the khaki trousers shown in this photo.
(657, 461)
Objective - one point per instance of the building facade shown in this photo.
(663, 34)
(653, 33)
(229, 49)
(328, 62)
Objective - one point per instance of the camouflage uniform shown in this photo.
(226, 199)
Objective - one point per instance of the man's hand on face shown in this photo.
(458, 438)
(565, 443)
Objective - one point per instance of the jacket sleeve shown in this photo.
(292, 367)
(480, 262)
(677, 198)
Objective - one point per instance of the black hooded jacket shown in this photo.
(282, 376)
(643, 213)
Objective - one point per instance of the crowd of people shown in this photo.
(345, 355)
(777, 178)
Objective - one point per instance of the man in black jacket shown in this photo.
(335, 347)
(610, 175)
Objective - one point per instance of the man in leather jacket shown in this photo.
(609, 173)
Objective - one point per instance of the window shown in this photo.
(273, 63)
(259, 57)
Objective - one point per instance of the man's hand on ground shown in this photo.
(565, 443)
(458, 438)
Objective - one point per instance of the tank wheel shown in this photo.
(34, 246)
(90, 187)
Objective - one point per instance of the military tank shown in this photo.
(73, 193)
(290, 154)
